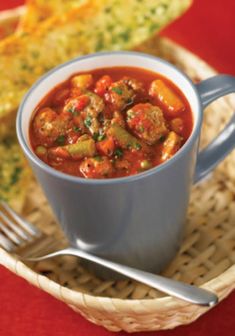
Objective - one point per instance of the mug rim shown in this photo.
(131, 178)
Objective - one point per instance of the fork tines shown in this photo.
(14, 230)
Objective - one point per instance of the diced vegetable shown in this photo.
(145, 164)
(102, 85)
(118, 153)
(82, 81)
(124, 139)
(84, 137)
(58, 152)
(168, 98)
(106, 146)
(171, 145)
(122, 165)
(177, 125)
(81, 149)
(40, 150)
(83, 101)
(60, 140)
(96, 167)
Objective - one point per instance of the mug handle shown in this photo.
(210, 90)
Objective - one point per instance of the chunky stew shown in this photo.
(110, 122)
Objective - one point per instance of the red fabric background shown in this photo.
(208, 29)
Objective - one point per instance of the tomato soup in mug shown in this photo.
(110, 122)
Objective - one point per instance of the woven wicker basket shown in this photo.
(206, 257)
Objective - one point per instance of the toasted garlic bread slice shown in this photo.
(14, 173)
(39, 10)
(99, 25)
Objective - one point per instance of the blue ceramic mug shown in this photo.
(136, 220)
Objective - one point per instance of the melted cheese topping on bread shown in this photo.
(99, 25)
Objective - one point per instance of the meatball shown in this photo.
(48, 125)
(88, 106)
(133, 83)
(147, 122)
(91, 112)
(98, 167)
(76, 105)
(95, 106)
(102, 85)
(122, 93)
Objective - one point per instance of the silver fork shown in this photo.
(20, 237)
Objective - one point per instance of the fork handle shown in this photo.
(172, 287)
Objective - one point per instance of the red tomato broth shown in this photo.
(59, 96)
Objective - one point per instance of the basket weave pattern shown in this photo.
(206, 257)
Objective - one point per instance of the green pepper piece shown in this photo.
(124, 138)
(81, 149)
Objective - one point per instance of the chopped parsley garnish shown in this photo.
(87, 122)
(76, 129)
(118, 153)
(117, 90)
(137, 146)
(96, 136)
(72, 110)
(60, 140)
(101, 137)
(162, 138)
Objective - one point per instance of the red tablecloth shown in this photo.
(208, 29)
